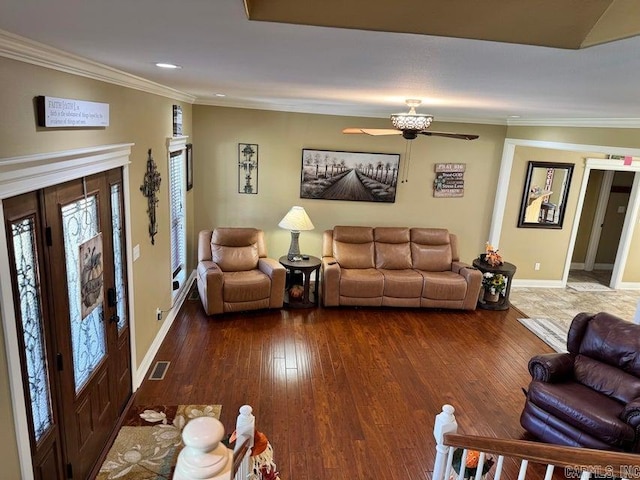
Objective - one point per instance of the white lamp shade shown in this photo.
(296, 219)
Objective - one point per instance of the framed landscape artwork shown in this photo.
(356, 176)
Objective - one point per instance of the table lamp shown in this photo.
(295, 220)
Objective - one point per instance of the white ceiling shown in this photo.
(287, 67)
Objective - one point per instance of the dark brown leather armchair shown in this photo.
(590, 396)
(234, 273)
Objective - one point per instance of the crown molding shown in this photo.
(28, 51)
(575, 122)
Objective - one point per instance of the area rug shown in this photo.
(588, 287)
(549, 331)
(149, 441)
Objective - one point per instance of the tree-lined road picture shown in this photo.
(331, 175)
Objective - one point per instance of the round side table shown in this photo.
(295, 270)
(508, 270)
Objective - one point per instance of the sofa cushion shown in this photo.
(392, 248)
(443, 285)
(402, 283)
(235, 259)
(608, 380)
(585, 409)
(246, 286)
(393, 256)
(361, 283)
(612, 341)
(353, 247)
(235, 249)
(431, 249)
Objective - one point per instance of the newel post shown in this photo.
(445, 423)
(204, 456)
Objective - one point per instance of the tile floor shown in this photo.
(562, 304)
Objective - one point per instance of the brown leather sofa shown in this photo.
(590, 396)
(234, 273)
(396, 267)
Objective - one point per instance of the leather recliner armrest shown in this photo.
(271, 267)
(210, 280)
(551, 367)
(631, 413)
(330, 282)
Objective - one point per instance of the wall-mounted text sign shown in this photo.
(66, 112)
(449, 180)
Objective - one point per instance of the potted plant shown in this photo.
(494, 284)
(491, 256)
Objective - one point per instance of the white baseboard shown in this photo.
(629, 286)
(141, 372)
(577, 266)
(603, 266)
(530, 283)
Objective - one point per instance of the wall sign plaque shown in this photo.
(69, 113)
(449, 180)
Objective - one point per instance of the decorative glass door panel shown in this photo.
(118, 257)
(27, 275)
(80, 224)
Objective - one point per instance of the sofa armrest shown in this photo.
(457, 266)
(278, 275)
(551, 367)
(210, 280)
(330, 284)
(271, 267)
(631, 413)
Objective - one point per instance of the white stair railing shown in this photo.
(582, 462)
(205, 457)
(245, 433)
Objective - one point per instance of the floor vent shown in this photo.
(159, 370)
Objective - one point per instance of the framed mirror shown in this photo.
(544, 199)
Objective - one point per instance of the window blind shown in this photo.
(176, 199)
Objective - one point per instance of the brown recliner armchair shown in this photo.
(234, 273)
(590, 396)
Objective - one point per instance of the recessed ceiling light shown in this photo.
(220, 95)
(514, 116)
(167, 65)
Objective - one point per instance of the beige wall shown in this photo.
(137, 117)
(526, 246)
(587, 217)
(281, 138)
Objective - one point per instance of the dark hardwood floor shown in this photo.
(351, 393)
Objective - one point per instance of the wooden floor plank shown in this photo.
(348, 393)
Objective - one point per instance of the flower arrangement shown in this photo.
(491, 255)
(471, 463)
(495, 283)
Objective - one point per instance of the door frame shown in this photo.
(502, 188)
(25, 174)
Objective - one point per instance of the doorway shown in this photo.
(606, 201)
(66, 249)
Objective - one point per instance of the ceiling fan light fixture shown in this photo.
(411, 121)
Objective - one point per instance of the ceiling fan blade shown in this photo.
(461, 136)
(373, 131)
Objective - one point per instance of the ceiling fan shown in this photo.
(410, 125)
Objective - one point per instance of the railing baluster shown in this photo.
(523, 469)
(549, 472)
(499, 465)
(480, 466)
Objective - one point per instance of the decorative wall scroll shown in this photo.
(177, 120)
(70, 113)
(247, 168)
(357, 176)
(449, 180)
(149, 188)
